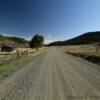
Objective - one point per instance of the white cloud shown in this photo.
(47, 41)
(28, 38)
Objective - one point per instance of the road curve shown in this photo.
(53, 76)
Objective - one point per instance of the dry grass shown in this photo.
(83, 49)
(87, 52)
(19, 52)
(22, 50)
(8, 67)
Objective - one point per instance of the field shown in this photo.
(87, 52)
(86, 49)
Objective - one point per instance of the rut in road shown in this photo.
(53, 76)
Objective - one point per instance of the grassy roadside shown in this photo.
(91, 58)
(87, 52)
(11, 66)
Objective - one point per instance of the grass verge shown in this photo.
(10, 66)
(92, 58)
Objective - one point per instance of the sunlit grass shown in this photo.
(7, 67)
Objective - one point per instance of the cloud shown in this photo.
(47, 41)
(28, 38)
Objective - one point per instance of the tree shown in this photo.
(37, 41)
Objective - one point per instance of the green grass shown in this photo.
(6, 68)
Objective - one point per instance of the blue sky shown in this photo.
(55, 19)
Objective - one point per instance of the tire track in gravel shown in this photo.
(53, 76)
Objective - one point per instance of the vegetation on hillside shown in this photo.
(13, 41)
(16, 39)
(87, 38)
(36, 42)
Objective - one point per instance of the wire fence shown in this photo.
(19, 52)
(8, 56)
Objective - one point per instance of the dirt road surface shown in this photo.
(53, 76)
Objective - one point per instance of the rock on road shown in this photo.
(53, 76)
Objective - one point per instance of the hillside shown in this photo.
(87, 38)
(13, 41)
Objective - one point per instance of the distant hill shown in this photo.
(13, 41)
(87, 38)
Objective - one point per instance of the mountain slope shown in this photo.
(87, 38)
(13, 41)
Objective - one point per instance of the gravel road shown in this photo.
(53, 76)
